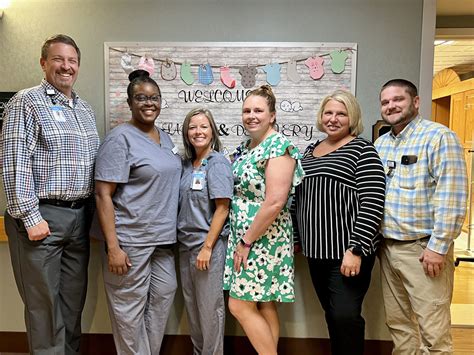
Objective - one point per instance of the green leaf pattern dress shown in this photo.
(270, 272)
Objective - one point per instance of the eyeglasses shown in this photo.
(143, 98)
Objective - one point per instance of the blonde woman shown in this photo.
(339, 207)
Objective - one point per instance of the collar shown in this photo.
(408, 130)
(58, 96)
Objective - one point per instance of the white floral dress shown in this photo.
(270, 273)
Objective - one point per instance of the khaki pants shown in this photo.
(417, 307)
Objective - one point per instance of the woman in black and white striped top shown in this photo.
(338, 209)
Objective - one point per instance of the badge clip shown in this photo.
(391, 167)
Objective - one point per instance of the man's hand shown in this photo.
(38, 232)
(433, 263)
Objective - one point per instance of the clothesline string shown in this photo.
(168, 60)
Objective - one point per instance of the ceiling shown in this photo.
(454, 7)
(457, 54)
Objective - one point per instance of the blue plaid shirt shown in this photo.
(428, 197)
(49, 145)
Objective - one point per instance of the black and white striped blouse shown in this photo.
(340, 201)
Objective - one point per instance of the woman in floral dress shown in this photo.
(259, 263)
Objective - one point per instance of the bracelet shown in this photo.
(357, 251)
(245, 244)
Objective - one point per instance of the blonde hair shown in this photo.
(353, 111)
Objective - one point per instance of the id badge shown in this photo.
(58, 113)
(199, 179)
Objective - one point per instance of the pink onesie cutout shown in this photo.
(226, 78)
(147, 64)
(315, 65)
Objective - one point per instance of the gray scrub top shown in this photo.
(196, 207)
(147, 176)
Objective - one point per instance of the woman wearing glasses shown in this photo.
(137, 188)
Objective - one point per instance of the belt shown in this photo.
(61, 203)
(409, 240)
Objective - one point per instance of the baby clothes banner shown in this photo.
(300, 74)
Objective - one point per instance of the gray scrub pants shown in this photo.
(140, 301)
(204, 299)
(51, 276)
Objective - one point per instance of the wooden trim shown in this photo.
(15, 342)
(453, 89)
(3, 234)
(379, 128)
(455, 33)
(103, 344)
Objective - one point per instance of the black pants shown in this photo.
(341, 298)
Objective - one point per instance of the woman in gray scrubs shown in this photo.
(205, 193)
(137, 189)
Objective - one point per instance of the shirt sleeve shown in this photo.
(220, 180)
(19, 137)
(279, 147)
(113, 163)
(370, 184)
(294, 219)
(448, 169)
(296, 198)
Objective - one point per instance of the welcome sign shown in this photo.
(218, 76)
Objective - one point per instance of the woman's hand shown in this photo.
(204, 258)
(119, 263)
(297, 249)
(118, 260)
(350, 264)
(241, 255)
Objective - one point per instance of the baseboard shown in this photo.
(462, 315)
(103, 344)
(14, 342)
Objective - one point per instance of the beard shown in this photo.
(406, 116)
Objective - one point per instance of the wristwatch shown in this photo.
(357, 251)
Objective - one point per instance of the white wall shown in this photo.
(388, 34)
(303, 319)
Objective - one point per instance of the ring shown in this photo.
(353, 273)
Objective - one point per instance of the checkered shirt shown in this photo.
(46, 156)
(426, 198)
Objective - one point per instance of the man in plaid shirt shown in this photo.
(426, 192)
(49, 145)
